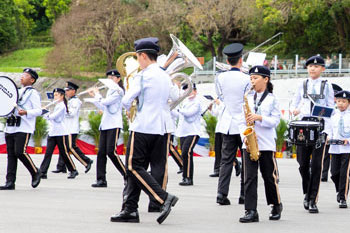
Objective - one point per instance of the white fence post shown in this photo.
(275, 65)
(214, 65)
(296, 64)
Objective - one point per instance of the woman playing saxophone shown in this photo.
(262, 116)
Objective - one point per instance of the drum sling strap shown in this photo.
(314, 97)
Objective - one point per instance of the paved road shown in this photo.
(61, 205)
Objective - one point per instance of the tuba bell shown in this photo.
(179, 58)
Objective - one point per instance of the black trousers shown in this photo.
(16, 144)
(230, 144)
(326, 163)
(268, 169)
(187, 145)
(310, 181)
(217, 149)
(75, 150)
(340, 174)
(217, 161)
(174, 153)
(145, 150)
(107, 147)
(62, 143)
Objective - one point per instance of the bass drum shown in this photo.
(304, 133)
(8, 96)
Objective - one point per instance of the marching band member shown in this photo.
(72, 124)
(230, 88)
(217, 109)
(188, 130)
(58, 135)
(340, 152)
(266, 117)
(322, 93)
(19, 128)
(111, 124)
(147, 143)
(172, 150)
(162, 177)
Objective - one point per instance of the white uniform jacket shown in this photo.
(217, 111)
(111, 106)
(230, 87)
(189, 118)
(265, 129)
(152, 87)
(334, 132)
(29, 100)
(174, 95)
(304, 104)
(56, 120)
(71, 120)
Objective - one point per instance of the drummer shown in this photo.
(322, 94)
(340, 152)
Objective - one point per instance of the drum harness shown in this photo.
(14, 120)
(313, 98)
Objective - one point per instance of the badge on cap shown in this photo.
(315, 61)
(344, 95)
(112, 72)
(256, 70)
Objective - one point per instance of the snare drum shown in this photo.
(304, 133)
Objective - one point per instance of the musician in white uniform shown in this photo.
(322, 94)
(111, 124)
(147, 143)
(19, 127)
(217, 110)
(340, 152)
(266, 115)
(230, 87)
(58, 135)
(71, 122)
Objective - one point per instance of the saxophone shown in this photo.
(249, 132)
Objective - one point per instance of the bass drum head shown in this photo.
(8, 95)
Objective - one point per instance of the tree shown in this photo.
(55, 8)
(216, 23)
(93, 33)
(310, 26)
(9, 25)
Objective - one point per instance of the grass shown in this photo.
(19, 59)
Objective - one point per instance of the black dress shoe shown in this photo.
(343, 204)
(166, 207)
(59, 171)
(73, 174)
(250, 216)
(36, 179)
(186, 182)
(276, 212)
(8, 186)
(100, 184)
(43, 176)
(215, 174)
(222, 200)
(306, 203)
(88, 166)
(238, 168)
(313, 207)
(154, 208)
(126, 216)
(241, 200)
(179, 171)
